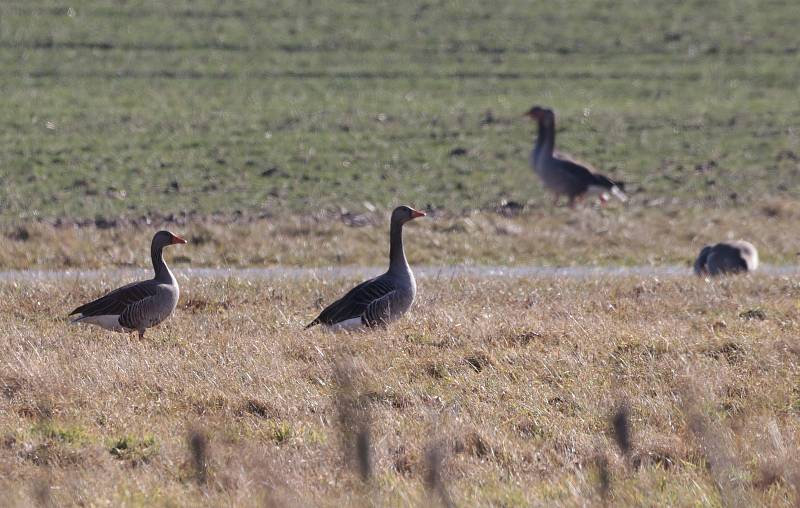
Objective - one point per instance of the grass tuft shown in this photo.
(134, 450)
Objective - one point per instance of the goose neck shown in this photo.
(545, 141)
(397, 256)
(162, 271)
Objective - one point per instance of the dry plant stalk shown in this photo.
(434, 483)
(41, 490)
(198, 449)
(718, 450)
(354, 421)
(603, 476)
(621, 427)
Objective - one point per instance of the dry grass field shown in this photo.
(503, 392)
(657, 234)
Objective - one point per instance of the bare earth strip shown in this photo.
(534, 236)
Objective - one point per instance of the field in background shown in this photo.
(514, 392)
(143, 109)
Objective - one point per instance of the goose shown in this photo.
(560, 173)
(726, 258)
(378, 301)
(139, 305)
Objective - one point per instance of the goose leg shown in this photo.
(141, 334)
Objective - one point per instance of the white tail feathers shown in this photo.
(617, 192)
(346, 325)
(107, 321)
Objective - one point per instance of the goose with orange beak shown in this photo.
(140, 305)
(378, 301)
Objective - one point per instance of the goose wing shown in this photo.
(586, 175)
(577, 173)
(604, 181)
(356, 302)
(380, 311)
(117, 301)
(566, 157)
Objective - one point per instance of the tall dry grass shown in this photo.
(489, 392)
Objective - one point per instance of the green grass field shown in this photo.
(140, 108)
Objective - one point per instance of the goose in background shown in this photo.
(140, 305)
(726, 258)
(560, 173)
(378, 301)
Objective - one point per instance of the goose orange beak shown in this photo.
(417, 213)
(177, 239)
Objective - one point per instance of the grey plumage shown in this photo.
(726, 258)
(383, 299)
(139, 305)
(369, 300)
(559, 173)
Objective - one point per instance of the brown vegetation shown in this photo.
(638, 234)
(512, 392)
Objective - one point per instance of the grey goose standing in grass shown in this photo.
(385, 298)
(726, 258)
(139, 305)
(560, 173)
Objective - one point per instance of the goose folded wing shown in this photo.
(604, 181)
(574, 160)
(379, 312)
(136, 314)
(117, 301)
(355, 302)
(585, 171)
(576, 172)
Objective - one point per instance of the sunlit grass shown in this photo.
(151, 110)
(536, 236)
(513, 381)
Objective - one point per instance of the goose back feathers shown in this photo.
(139, 305)
(726, 258)
(383, 299)
(561, 174)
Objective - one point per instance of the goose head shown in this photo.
(403, 214)
(542, 115)
(164, 238)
